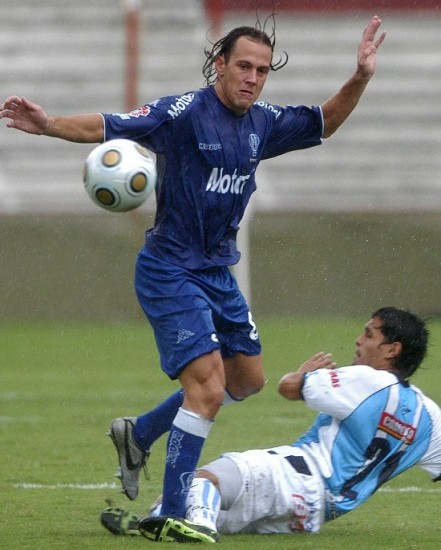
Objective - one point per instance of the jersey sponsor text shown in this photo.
(270, 107)
(335, 382)
(400, 430)
(218, 182)
(210, 146)
(180, 105)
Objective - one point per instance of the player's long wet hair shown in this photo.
(225, 46)
(410, 330)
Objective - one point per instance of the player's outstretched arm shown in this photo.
(338, 107)
(29, 117)
(24, 115)
(290, 385)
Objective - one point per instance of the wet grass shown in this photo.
(61, 383)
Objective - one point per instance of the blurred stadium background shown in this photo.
(339, 229)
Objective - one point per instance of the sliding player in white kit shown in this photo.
(373, 425)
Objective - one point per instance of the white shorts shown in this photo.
(275, 497)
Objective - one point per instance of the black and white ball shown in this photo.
(119, 175)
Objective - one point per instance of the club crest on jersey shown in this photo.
(136, 113)
(142, 111)
(254, 140)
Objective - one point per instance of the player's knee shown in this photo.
(206, 474)
(255, 388)
(215, 397)
(205, 403)
(246, 388)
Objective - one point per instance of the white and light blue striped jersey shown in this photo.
(371, 427)
(206, 161)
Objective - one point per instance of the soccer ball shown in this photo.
(119, 175)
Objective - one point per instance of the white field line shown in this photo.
(80, 486)
(94, 486)
(409, 490)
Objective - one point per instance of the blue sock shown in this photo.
(150, 426)
(185, 441)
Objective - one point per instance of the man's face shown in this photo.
(240, 81)
(370, 346)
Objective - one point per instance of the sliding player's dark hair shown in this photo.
(403, 326)
(224, 46)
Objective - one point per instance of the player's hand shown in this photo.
(290, 385)
(367, 49)
(25, 115)
(320, 360)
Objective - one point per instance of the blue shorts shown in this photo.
(193, 312)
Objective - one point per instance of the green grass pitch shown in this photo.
(62, 384)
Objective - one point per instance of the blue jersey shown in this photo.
(371, 427)
(206, 159)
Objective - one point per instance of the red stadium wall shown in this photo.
(219, 6)
(216, 8)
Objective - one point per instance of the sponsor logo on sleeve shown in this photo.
(335, 381)
(269, 107)
(180, 105)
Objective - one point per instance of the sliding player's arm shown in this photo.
(290, 385)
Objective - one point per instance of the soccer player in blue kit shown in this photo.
(208, 144)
